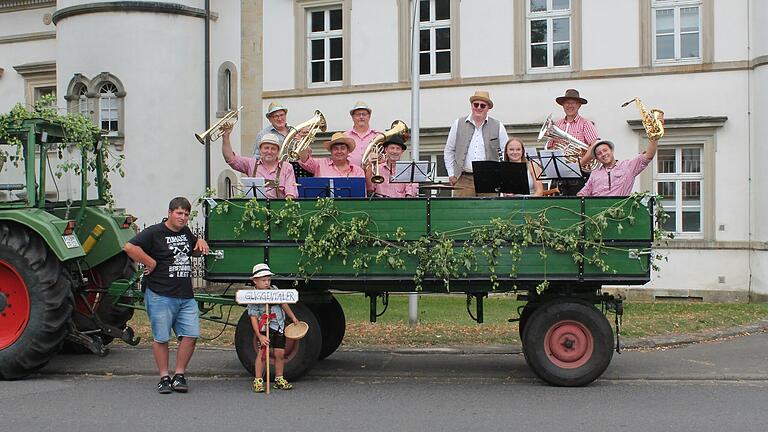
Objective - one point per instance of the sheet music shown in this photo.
(411, 172)
(254, 187)
(556, 166)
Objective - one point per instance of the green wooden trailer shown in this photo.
(557, 253)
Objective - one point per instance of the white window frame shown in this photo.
(432, 26)
(112, 108)
(678, 177)
(326, 36)
(549, 15)
(675, 6)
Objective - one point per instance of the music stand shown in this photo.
(332, 187)
(554, 165)
(501, 177)
(411, 172)
(254, 187)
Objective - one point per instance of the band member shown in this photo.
(393, 148)
(277, 115)
(514, 151)
(361, 131)
(615, 178)
(338, 165)
(476, 137)
(266, 167)
(578, 127)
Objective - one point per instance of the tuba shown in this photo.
(653, 121)
(572, 148)
(215, 131)
(292, 147)
(375, 150)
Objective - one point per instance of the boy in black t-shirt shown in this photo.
(165, 250)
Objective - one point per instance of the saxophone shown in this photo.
(653, 120)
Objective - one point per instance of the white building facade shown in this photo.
(139, 69)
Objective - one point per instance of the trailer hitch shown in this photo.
(373, 296)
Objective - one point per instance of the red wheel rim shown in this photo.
(569, 344)
(14, 318)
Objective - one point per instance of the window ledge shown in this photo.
(711, 245)
(684, 122)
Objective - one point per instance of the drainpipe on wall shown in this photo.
(207, 103)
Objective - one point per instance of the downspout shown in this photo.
(207, 103)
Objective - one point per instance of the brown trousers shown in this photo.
(466, 187)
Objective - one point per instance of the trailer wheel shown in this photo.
(568, 343)
(300, 355)
(333, 325)
(36, 295)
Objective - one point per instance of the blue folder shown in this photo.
(332, 187)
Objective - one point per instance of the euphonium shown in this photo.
(653, 121)
(292, 147)
(214, 132)
(573, 149)
(375, 150)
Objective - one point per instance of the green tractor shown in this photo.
(59, 250)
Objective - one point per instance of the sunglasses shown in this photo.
(479, 105)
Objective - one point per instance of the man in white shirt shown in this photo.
(476, 137)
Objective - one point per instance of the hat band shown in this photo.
(259, 272)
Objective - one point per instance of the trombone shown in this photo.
(214, 132)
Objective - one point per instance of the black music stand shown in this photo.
(555, 166)
(501, 177)
(411, 172)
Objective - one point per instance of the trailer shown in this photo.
(555, 253)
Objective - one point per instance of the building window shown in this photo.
(43, 91)
(108, 109)
(549, 34)
(679, 178)
(325, 46)
(226, 88)
(434, 37)
(676, 31)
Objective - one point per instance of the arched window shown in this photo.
(226, 88)
(82, 102)
(108, 109)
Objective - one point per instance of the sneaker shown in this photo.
(179, 383)
(258, 385)
(164, 386)
(282, 384)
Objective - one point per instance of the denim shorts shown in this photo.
(166, 313)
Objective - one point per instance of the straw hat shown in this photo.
(482, 96)
(599, 143)
(340, 138)
(261, 270)
(296, 330)
(360, 105)
(275, 106)
(571, 94)
(270, 138)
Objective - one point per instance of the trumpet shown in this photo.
(653, 120)
(375, 147)
(214, 132)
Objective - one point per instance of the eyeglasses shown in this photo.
(479, 105)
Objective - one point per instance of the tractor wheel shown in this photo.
(568, 343)
(300, 355)
(99, 278)
(333, 325)
(36, 300)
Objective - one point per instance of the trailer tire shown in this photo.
(38, 297)
(300, 355)
(333, 325)
(568, 343)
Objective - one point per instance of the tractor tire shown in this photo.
(38, 302)
(300, 355)
(101, 276)
(568, 343)
(333, 325)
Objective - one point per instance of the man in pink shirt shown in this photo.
(394, 149)
(338, 165)
(265, 167)
(578, 127)
(615, 178)
(361, 131)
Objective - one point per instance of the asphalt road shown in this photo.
(714, 386)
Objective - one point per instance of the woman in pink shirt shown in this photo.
(514, 151)
(338, 165)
